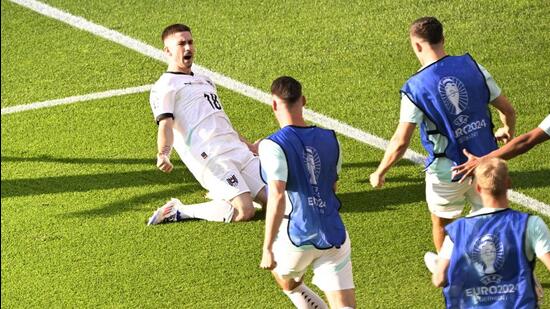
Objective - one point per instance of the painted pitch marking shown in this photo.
(75, 99)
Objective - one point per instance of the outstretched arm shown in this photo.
(395, 151)
(507, 116)
(521, 144)
(515, 147)
(165, 140)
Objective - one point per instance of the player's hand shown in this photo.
(504, 134)
(377, 180)
(467, 168)
(268, 261)
(163, 163)
(254, 147)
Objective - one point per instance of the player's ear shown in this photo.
(303, 100)
(478, 189)
(274, 105)
(166, 51)
(418, 47)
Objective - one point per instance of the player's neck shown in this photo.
(494, 202)
(178, 69)
(432, 56)
(292, 120)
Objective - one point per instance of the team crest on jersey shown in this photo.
(313, 164)
(454, 94)
(232, 181)
(488, 258)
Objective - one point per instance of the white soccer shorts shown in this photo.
(447, 200)
(332, 270)
(231, 174)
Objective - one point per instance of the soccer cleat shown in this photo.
(166, 213)
(430, 259)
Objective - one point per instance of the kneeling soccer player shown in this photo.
(300, 164)
(191, 119)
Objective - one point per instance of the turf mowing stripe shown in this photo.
(246, 90)
(75, 99)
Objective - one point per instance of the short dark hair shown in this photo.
(175, 28)
(287, 88)
(427, 28)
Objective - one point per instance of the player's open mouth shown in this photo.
(187, 57)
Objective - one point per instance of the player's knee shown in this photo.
(287, 285)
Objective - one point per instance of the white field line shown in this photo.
(75, 99)
(246, 90)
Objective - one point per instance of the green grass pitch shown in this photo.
(79, 181)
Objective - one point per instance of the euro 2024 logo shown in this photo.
(488, 258)
(454, 94)
(313, 164)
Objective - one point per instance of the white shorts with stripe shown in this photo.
(332, 270)
(231, 174)
(447, 199)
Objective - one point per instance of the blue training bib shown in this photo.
(312, 157)
(488, 266)
(453, 94)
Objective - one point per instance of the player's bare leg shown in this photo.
(175, 210)
(261, 197)
(341, 299)
(300, 295)
(240, 208)
(438, 230)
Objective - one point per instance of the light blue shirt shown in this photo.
(441, 167)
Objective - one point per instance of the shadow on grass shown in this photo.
(50, 159)
(383, 199)
(530, 179)
(133, 202)
(374, 164)
(84, 183)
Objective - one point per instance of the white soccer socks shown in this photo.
(304, 298)
(430, 259)
(216, 210)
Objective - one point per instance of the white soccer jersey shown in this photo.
(202, 130)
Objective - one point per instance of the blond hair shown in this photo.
(492, 175)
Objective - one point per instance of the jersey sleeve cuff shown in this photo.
(164, 116)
